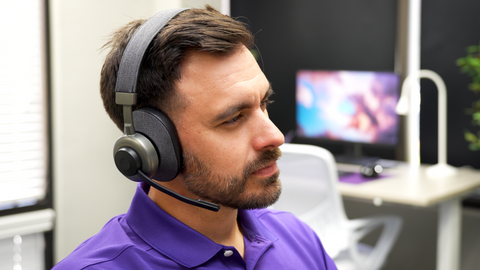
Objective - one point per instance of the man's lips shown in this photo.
(268, 170)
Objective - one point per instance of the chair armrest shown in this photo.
(363, 226)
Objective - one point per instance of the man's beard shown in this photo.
(231, 190)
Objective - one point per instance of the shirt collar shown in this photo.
(253, 227)
(176, 240)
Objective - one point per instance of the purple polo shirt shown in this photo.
(146, 237)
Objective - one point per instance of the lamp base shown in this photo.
(441, 170)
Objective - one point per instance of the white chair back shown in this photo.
(309, 178)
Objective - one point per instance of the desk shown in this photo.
(410, 186)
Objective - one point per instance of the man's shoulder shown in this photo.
(108, 245)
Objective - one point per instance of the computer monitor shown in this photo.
(353, 107)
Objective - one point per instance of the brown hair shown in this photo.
(192, 30)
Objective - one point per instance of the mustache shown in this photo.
(263, 160)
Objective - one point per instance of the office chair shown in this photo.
(309, 180)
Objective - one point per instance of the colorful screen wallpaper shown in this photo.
(354, 106)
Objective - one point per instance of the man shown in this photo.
(200, 72)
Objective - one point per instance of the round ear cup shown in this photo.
(133, 153)
(161, 132)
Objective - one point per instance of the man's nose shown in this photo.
(268, 136)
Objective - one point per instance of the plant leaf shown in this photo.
(470, 137)
(472, 49)
(473, 147)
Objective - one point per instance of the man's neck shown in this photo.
(221, 227)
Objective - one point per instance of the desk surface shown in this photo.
(409, 186)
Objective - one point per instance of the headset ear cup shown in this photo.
(161, 132)
(133, 153)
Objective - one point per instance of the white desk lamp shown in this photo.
(441, 169)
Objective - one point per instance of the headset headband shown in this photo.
(127, 75)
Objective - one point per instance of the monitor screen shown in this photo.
(352, 106)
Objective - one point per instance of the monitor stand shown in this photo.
(353, 155)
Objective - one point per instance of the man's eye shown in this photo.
(233, 120)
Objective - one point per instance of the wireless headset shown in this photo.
(150, 147)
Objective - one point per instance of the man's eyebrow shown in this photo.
(232, 110)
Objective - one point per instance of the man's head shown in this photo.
(200, 72)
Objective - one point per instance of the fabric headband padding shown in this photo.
(137, 46)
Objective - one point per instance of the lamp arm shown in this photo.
(442, 112)
(403, 106)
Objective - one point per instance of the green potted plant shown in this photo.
(470, 64)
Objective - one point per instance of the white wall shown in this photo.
(88, 190)
(201, 3)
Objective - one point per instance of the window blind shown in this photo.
(23, 126)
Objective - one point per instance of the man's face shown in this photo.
(229, 143)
